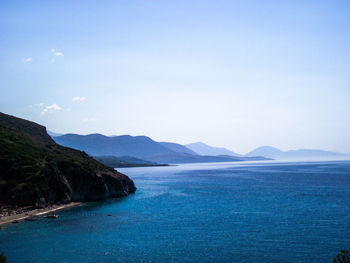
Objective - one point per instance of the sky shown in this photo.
(235, 74)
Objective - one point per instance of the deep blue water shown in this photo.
(275, 212)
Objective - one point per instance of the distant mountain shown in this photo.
(175, 147)
(315, 154)
(205, 149)
(177, 157)
(141, 147)
(130, 159)
(302, 154)
(99, 145)
(190, 158)
(125, 161)
(35, 171)
(267, 151)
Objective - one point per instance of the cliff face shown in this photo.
(34, 170)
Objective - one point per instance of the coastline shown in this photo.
(35, 212)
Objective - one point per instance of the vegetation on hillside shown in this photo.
(3, 258)
(342, 257)
(33, 166)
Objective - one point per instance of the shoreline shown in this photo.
(36, 212)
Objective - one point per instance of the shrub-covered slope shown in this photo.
(34, 169)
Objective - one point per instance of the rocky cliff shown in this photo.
(34, 170)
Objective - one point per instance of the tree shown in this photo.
(3, 258)
(343, 257)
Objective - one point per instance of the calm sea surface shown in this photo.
(273, 212)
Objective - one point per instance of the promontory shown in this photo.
(35, 171)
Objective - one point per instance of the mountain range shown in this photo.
(144, 148)
(151, 152)
(205, 149)
(301, 154)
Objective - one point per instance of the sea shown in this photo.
(213, 212)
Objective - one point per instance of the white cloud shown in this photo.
(50, 109)
(58, 54)
(78, 98)
(28, 60)
(39, 105)
(88, 120)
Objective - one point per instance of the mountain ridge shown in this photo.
(177, 147)
(205, 149)
(275, 153)
(101, 145)
(141, 147)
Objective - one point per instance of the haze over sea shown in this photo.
(227, 212)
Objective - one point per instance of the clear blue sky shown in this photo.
(238, 74)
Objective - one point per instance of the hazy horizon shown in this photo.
(233, 74)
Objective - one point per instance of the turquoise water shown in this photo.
(274, 212)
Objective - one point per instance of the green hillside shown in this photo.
(33, 167)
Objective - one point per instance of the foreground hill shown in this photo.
(302, 154)
(205, 149)
(35, 170)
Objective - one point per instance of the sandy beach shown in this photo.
(28, 213)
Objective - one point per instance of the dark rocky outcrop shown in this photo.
(34, 170)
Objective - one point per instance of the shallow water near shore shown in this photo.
(227, 212)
